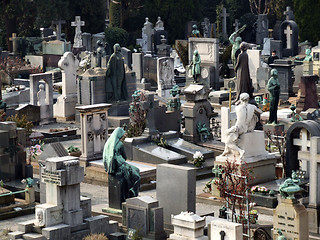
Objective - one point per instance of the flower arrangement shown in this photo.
(259, 189)
(198, 159)
(35, 150)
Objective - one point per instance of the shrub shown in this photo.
(22, 122)
(96, 236)
(115, 35)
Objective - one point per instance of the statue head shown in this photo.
(116, 48)
(308, 51)
(238, 40)
(196, 52)
(99, 43)
(274, 72)
(41, 87)
(243, 46)
(194, 27)
(244, 97)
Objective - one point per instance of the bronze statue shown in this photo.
(116, 85)
(114, 160)
(235, 40)
(274, 89)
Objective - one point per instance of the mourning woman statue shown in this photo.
(114, 160)
(244, 82)
(308, 57)
(116, 85)
(274, 89)
(195, 70)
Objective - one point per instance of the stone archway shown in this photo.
(294, 142)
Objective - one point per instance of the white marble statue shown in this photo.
(246, 121)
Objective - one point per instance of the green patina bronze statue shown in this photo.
(235, 40)
(274, 89)
(308, 57)
(281, 236)
(114, 160)
(195, 68)
(195, 32)
(116, 85)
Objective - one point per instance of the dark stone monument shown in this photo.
(262, 28)
(309, 97)
(277, 46)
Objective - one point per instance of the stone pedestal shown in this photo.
(188, 226)
(291, 218)
(220, 227)
(197, 112)
(94, 130)
(255, 157)
(309, 96)
(307, 68)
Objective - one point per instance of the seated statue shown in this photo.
(114, 160)
(246, 122)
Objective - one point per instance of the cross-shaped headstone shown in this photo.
(14, 40)
(58, 27)
(288, 33)
(289, 14)
(236, 24)
(224, 16)
(78, 36)
(313, 156)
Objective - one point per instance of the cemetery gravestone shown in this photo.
(86, 40)
(146, 41)
(315, 52)
(64, 109)
(221, 227)
(254, 64)
(165, 76)
(58, 27)
(78, 35)
(224, 16)
(309, 97)
(277, 46)
(137, 66)
(262, 28)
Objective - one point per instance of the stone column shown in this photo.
(94, 130)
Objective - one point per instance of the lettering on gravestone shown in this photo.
(51, 177)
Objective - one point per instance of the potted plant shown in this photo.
(74, 151)
(260, 190)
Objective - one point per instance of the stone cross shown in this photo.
(288, 32)
(78, 36)
(236, 24)
(313, 156)
(58, 27)
(289, 14)
(224, 16)
(14, 40)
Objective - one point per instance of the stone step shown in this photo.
(188, 149)
(33, 236)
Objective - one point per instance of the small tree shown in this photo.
(260, 6)
(11, 67)
(234, 188)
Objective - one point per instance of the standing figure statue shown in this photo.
(308, 57)
(274, 89)
(235, 40)
(114, 160)
(195, 32)
(195, 68)
(116, 84)
(246, 121)
(244, 82)
(100, 52)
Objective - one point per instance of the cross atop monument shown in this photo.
(78, 36)
(14, 40)
(289, 14)
(58, 27)
(288, 33)
(224, 16)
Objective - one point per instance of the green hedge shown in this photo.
(115, 35)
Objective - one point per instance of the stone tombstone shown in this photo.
(208, 49)
(254, 63)
(86, 40)
(309, 97)
(307, 68)
(46, 96)
(262, 28)
(163, 50)
(92, 86)
(315, 52)
(165, 76)
(219, 227)
(66, 214)
(64, 109)
(78, 34)
(46, 32)
(291, 217)
(15, 43)
(277, 46)
(94, 40)
(224, 16)
(94, 130)
(58, 27)
(206, 26)
(144, 213)
(263, 75)
(147, 33)
(13, 166)
(137, 66)
(266, 51)
(169, 179)
(289, 33)
(150, 69)
(188, 225)
(197, 112)
(285, 76)
(127, 54)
